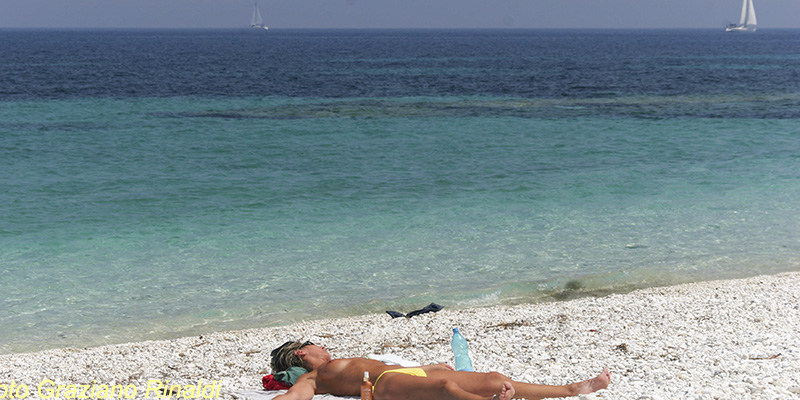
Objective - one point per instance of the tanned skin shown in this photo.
(343, 377)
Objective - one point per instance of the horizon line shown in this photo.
(385, 29)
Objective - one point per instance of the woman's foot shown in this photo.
(506, 393)
(592, 385)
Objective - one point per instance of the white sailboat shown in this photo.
(747, 22)
(256, 21)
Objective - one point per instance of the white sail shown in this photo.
(751, 14)
(743, 18)
(256, 20)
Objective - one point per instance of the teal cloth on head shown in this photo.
(290, 375)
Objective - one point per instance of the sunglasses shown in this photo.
(274, 352)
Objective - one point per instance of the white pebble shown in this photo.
(700, 340)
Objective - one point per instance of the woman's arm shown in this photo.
(303, 389)
(434, 367)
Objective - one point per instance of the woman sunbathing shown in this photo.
(343, 377)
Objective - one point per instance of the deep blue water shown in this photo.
(165, 183)
(372, 63)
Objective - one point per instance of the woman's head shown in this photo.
(286, 356)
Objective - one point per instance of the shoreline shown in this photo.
(713, 339)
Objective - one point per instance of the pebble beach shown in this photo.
(731, 339)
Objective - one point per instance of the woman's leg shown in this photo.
(394, 386)
(485, 384)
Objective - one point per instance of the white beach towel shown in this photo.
(392, 359)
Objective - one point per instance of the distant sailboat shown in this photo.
(747, 22)
(256, 21)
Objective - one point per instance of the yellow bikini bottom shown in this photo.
(407, 371)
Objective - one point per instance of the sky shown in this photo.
(444, 14)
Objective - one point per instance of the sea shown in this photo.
(164, 183)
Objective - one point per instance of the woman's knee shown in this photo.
(496, 377)
(447, 387)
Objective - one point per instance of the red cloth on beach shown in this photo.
(270, 383)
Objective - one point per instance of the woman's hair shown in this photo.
(283, 357)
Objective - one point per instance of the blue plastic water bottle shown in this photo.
(461, 351)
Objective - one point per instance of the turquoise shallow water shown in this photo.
(130, 217)
(141, 220)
